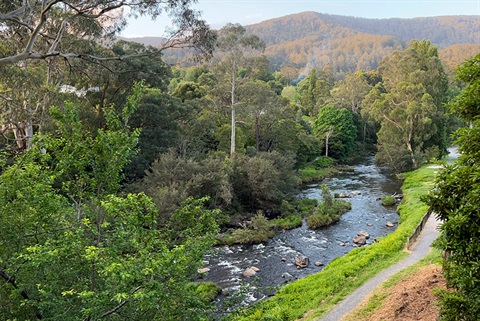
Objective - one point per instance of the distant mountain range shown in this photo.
(312, 39)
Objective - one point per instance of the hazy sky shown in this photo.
(219, 12)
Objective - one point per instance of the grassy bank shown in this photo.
(318, 170)
(378, 299)
(314, 295)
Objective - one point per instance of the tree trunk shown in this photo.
(327, 138)
(232, 139)
(257, 133)
(410, 149)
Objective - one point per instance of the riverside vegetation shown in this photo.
(118, 172)
(312, 296)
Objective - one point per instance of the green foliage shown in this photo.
(312, 173)
(71, 249)
(323, 161)
(158, 116)
(317, 293)
(207, 291)
(259, 230)
(408, 104)
(171, 179)
(336, 126)
(263, 181)
(329, 211)
(288, 222)
(455, 199)
(389, 200)
(306, 205)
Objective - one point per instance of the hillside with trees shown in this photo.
(349, 42)
(310, 39)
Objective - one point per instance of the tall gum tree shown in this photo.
(54, 34)
(409, 106)
(237, 49)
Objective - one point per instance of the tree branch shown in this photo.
(392, 121)
(40, 56)
(118, 307)
(11, 280)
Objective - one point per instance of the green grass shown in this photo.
(287, 223)
(311, 173)
(388, 200)
(377, 298)
(315, 294)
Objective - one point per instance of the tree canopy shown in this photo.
(53, 28)
(456, 201)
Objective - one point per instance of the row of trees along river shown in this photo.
(118, 172)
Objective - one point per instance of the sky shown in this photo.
(219, 12)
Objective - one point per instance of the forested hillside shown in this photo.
(441, 31)
(310, 39)
(350, 43)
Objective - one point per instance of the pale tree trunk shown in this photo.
(28, 134)
(327, 138)
(232, 139)
(410, 149)
(257, 133)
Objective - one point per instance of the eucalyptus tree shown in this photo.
(350, 93)
(47, 29)
(315, 90)
(59, 35)
(261, 105)
(237, 51)
(409, 106)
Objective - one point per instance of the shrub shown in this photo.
(260, 230)
(289, 222)
(389, 200)
(329, 211)
(207, 291)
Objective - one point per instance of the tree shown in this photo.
(260, 104)
(70, 40)
(350, 93)
(409, 107)
(236, 46)
(336, 126)
(72, 249)
(48, 29)
(455, 200)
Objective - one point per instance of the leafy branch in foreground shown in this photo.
(72, 249)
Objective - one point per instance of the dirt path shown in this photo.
(419, 250)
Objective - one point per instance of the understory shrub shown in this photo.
(329, 211)
(389, 200)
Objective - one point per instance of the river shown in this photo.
(275, 258)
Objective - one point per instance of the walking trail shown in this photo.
(419, 250)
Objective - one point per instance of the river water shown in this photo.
(275, 258)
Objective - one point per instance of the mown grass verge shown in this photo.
(314, 295)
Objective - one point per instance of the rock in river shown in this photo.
(301, 261)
